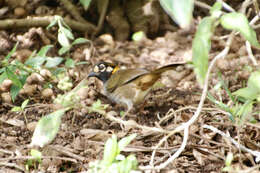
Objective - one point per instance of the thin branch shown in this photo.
(43, 157)
(238, 145)
(44, 22)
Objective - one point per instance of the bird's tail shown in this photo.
(166, 68)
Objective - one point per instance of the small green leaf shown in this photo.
(110, 150)
(47, 128)
(44, 50)
(16, 109)
(70, 63)
(80, 41)
(124, 142)
(11, 52)
(35, 62)
(85, 4)
(13, 77)
(53, 22)
(229, 159)
(36, 154)
(14, 91)
(3, 76)
(201, 46)
(252, 91)
(53, 62)
(138, 36)
(179, 11)
(238, 22)
(63, 39)
(215, 10)
(67, 33)
(63, 50)
(24, 104)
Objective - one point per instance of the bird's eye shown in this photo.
(102, 67)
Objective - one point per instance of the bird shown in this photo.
(127, 87)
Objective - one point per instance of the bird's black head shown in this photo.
(103, 71)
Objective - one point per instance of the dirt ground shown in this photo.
(172, 102)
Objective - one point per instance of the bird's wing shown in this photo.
(122, 77)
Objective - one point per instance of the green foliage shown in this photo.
(252, 91)
(138, 36)
(113, 161)
(65, 35)
(22, 107)
(228, 161)
(97, 106)
(238, 22)
(47, 128)
(37, 158)
(85, 3)
(201, 46)
(179, 11)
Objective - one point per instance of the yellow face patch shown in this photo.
(115, 69)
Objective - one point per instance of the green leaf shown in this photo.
(16, 109)
(13, 77)
(85, 4)
(53, 62)
(36, 154)
(252, 91)
(70, 63)
(238, 22)
(246, 93)
(53, 22)
(67, 33)
(110, 150)
(14, 91)
(128, 164)
(124, 142)
(47, 128)
(63, 39)
(245, 110)
(24, 104)
(179, 11)
(63, 50)
(80, 41)
(215, 10)
(44, 50)
(138, 36)
(8, 56)
(201, 46)
(35, 62)
(3, 76)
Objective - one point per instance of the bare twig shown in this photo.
(13, 165)
(43, 157)
(238, 145)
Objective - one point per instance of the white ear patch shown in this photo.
(109, 69)
(96, 69)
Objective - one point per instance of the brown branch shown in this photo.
(43, 22)
(73, 10)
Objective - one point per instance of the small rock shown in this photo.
(6, 97)
(19, 12)
(5, 86)
(47, 93)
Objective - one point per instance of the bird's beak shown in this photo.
(92, 74)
